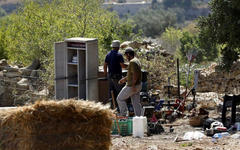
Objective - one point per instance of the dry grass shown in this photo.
(51, 125)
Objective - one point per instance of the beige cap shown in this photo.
(115, 43)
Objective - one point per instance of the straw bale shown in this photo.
(52, 125)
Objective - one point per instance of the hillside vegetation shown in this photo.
(2, 2)
(30, 33)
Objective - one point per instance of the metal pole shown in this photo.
(178, 78)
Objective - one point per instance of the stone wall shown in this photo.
(19, 86)
(213, 79)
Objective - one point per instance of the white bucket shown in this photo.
(139, 126)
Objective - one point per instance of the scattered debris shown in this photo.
(236, 136)
(220, 135)
(195, 135)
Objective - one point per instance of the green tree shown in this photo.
(2, 51)
(178, 3)
(190, 43)
(31, 31)
(153, 22)
(3, 25)
(36, 26)
(171, 39)
(2, 12)
(221, 27)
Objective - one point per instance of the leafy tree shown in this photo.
(171, 39)
(189, 43)
(2, 12)
(178, 3)
(191, 28)
(3, 24)
(36, 26)
(154, 4)
(10, 7)
(32, 31)
(153, 22)
(2, 51)
(180, 14)
(221, 27)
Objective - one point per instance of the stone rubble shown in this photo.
(18, 85)
(212, 79)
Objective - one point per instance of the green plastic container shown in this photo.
(125, 126)
(130, 125)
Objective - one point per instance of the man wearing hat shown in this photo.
(114, 62)
(133, 87)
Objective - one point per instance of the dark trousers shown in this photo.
(116, 88)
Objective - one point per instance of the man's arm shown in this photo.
(123, 65)
(121, 60)
(105, 69)
(123, 80)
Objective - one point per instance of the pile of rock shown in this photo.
(214, 79)
(146, 48)
(19, 85)
(160, 64)
(155, 59)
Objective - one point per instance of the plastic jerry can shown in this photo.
(139, 126)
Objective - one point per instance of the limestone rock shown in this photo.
(2, 90)
(25, 72)
(35, 73)
(10, 69)
(125, 44)
(12, 74)
(43, 92)
(6, 97)
(3, 62)
(23, 84)
(24, 81)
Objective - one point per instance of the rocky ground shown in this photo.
(165, 141)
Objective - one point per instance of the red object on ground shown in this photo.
(181, 103)
(221, 128)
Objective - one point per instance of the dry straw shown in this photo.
(52, 125)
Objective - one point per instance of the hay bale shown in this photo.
(51, 125)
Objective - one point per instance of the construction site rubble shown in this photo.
(212, 79)
(186, 115)
(199, 118)
(19, 86)
(195, 135)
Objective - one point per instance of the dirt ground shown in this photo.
(165, 141)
